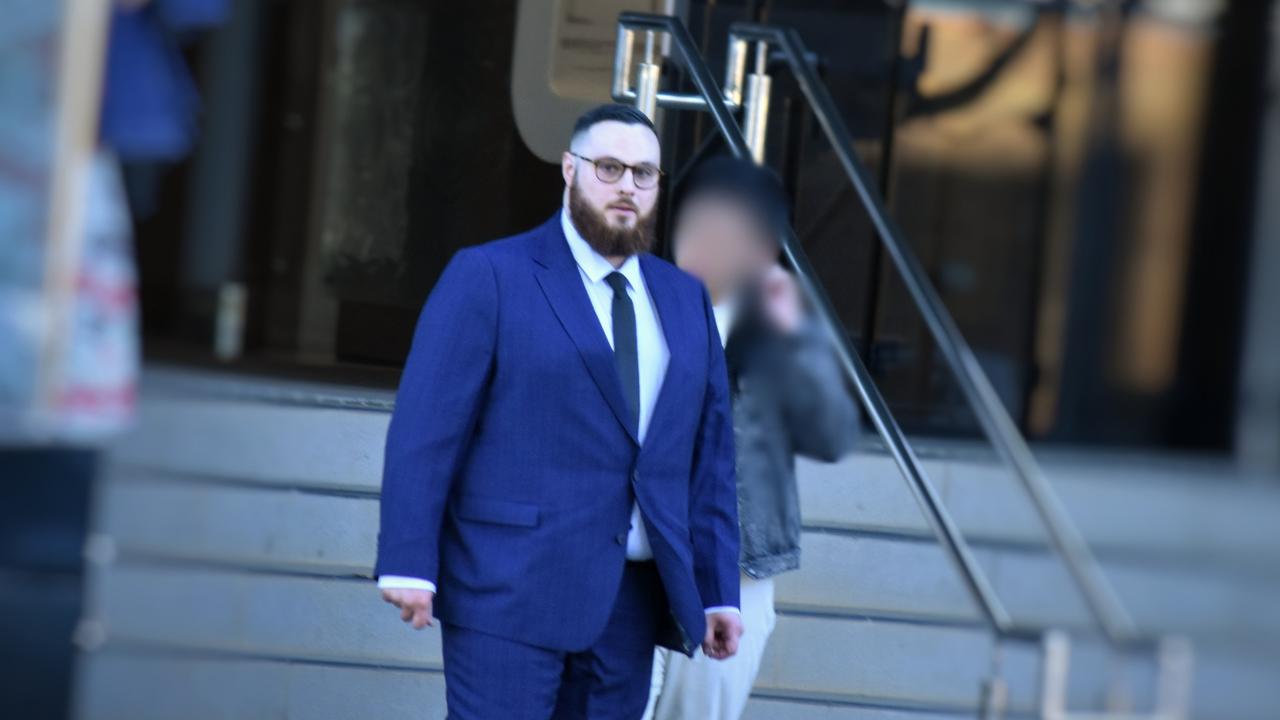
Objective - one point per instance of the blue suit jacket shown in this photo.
(511, 461)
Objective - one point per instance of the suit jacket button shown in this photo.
(635, 476)
(622, 538)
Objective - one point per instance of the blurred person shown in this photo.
(50, 446)
(148, 114)
(789, 398)
(559, 464)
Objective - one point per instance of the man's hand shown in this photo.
(415, 605)
(723, 631)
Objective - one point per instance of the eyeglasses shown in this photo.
(610, 170)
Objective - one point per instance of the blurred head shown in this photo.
(611, 179)
(728, 219)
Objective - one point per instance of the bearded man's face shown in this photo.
(616, 218)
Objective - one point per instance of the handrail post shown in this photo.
(994, 701)
(1175, 665)
(756, 107)
(648, 76)
(995, 698)
(622, 63)
(735, 68)
(1055, 666)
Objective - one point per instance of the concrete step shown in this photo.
(156, 684)
(236, 538)
(1202, 513)
(195, 688)
(1172, 510)
(343, 622)
(843, 572)
(844, 660)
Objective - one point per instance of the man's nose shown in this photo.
(627, 183)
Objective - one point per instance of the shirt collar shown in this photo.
(593, 264)
(725, 313)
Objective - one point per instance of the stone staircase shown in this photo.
(235, 534)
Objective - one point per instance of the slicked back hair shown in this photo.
(625, 114)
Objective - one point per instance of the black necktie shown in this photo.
(624, 345)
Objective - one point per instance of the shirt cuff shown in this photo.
(724, 609)
(400, 582)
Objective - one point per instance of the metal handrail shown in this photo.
(711, 99)
(1104, 605)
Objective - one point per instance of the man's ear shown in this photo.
(567, 168)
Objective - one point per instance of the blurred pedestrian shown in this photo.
(68, 378)
(789, 398)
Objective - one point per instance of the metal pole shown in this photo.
(1054, 669)
(735, 68)
(648, 76)
(995, 699)
(622, 62)
(1175, 662)
(756, 110)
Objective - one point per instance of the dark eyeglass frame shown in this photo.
(625, 167)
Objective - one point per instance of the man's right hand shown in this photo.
(415, 605)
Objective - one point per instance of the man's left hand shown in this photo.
(723, 631)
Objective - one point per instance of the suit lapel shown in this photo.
(675, 330)
(561, 282)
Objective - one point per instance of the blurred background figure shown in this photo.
(69, 325)
(789, 399)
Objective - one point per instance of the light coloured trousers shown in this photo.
(700, 688)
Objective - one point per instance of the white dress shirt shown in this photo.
(725, 313)
(654, 355)
(651, 344)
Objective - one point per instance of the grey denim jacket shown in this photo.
(789, 398)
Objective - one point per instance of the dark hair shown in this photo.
(625, 114)
(757, 189)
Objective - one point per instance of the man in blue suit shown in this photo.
(559, 465)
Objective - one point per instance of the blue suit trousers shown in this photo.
(492, 678)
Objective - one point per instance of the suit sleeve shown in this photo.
(442, 392)
(713, 501)
(822, 416)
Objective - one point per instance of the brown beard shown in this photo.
(604, 238)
